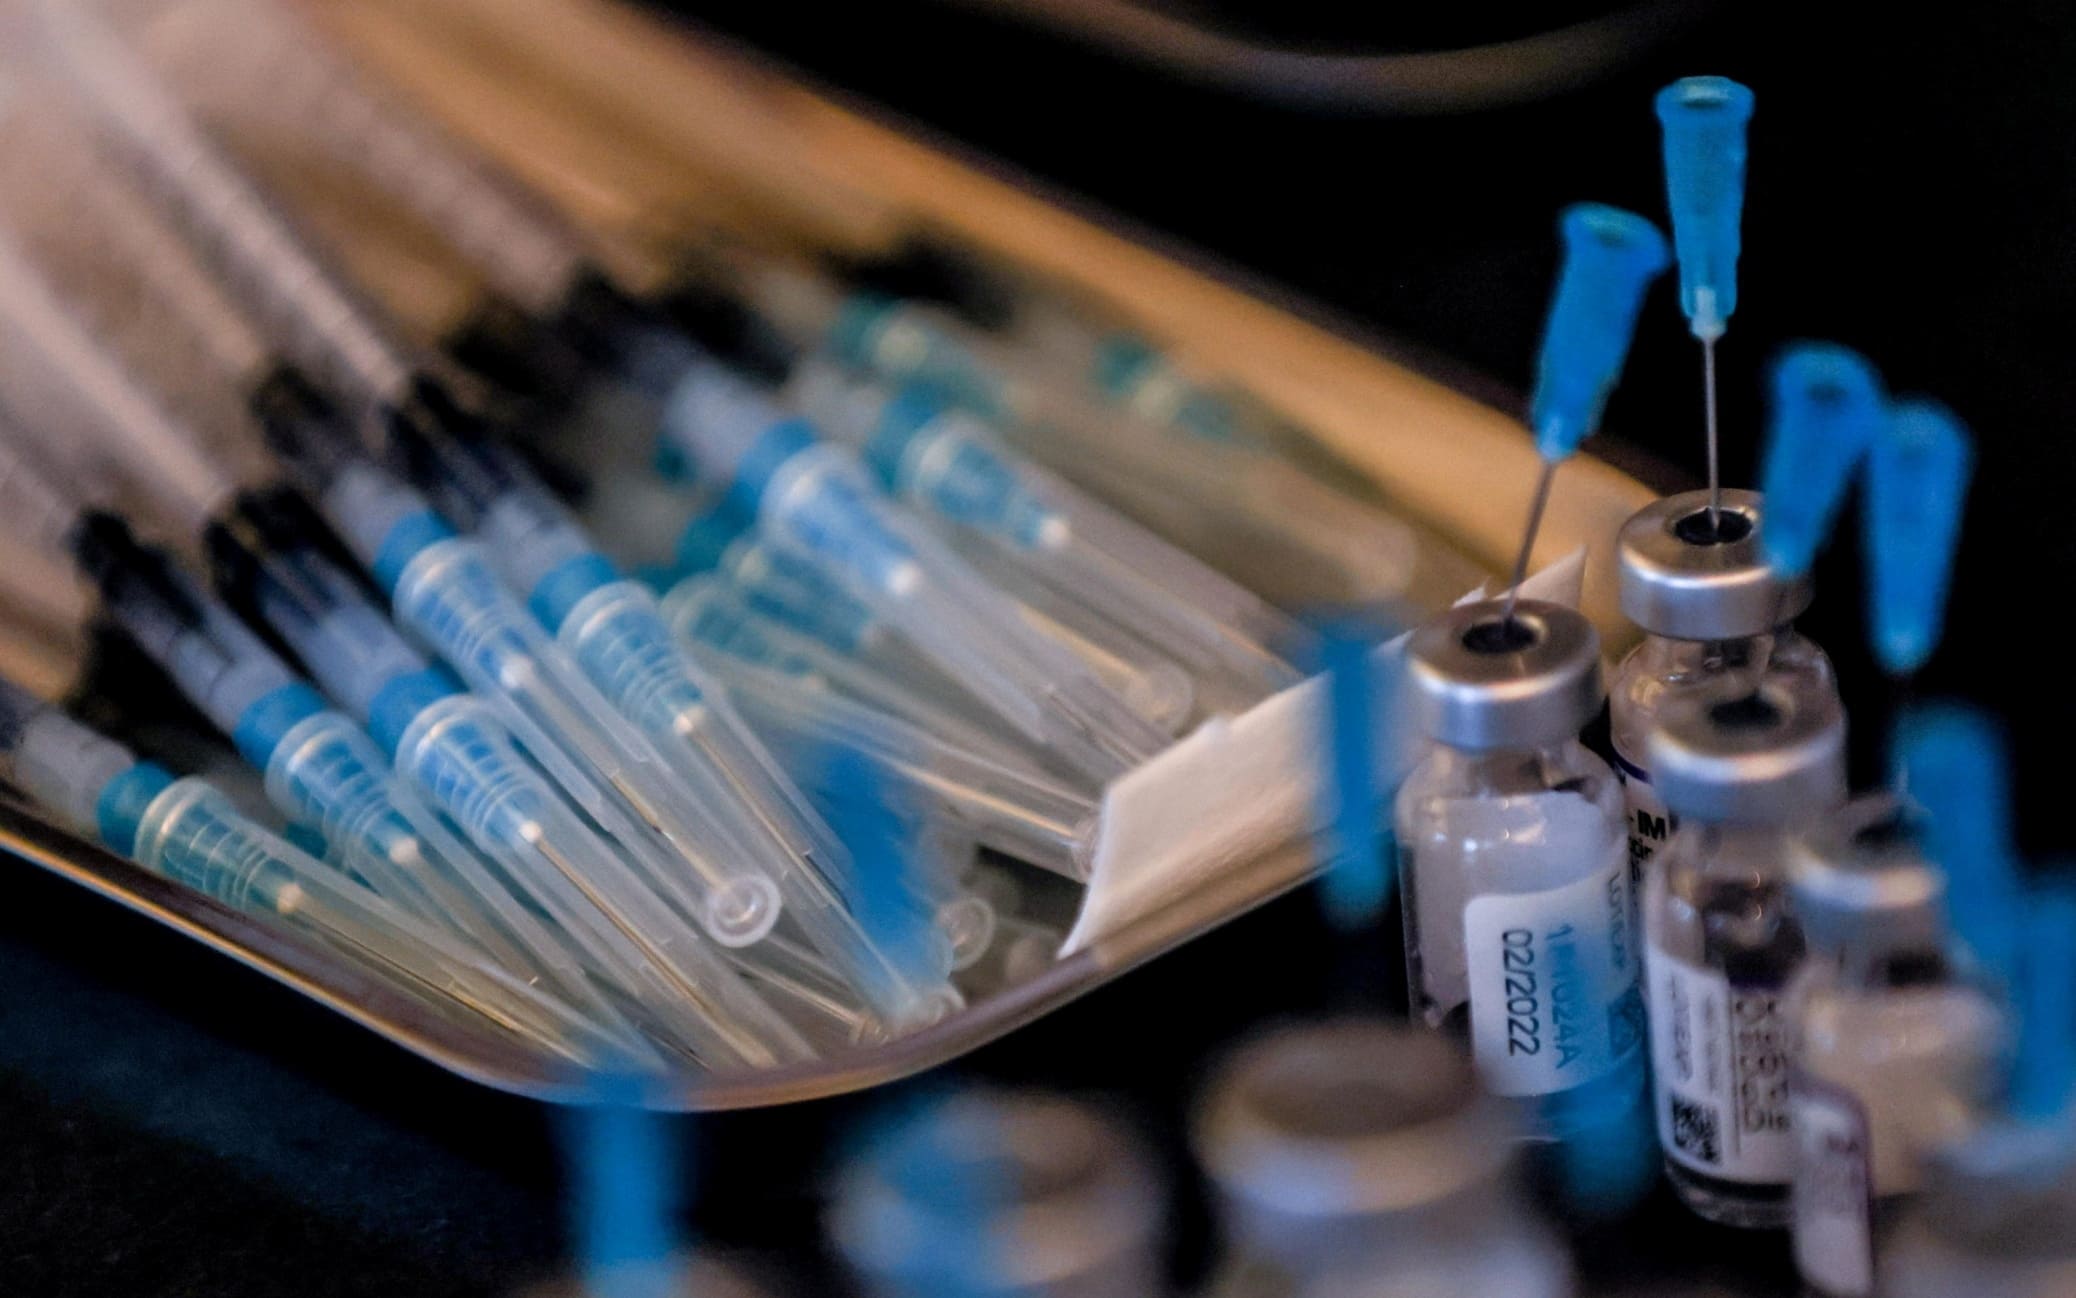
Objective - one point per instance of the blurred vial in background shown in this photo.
(1001, 1195)
(1898, 1051)
(1356, 1159)
(1998, 1220)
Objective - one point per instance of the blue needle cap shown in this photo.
(1704, 121)
(1951, 762)
(1357, 884)
(2044, 1073)
(626, 1195)
(1828, 408)
(1610, 258)
(1917, 485)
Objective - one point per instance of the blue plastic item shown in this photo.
(1610, 258)
(1917, 487)
(1704, 121)
(1951, 761)
(1828, 408)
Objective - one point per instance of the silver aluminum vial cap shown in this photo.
(1482, 683)
(1859, 876)
(1680, 580)
(1350, 1118)
(1774, 756)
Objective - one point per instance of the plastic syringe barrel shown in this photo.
(448, 594)
(456, 750)
(1012, 810)
(216, 662)
(443, 589)
(817, 499)
(303, 302)
(613, 631)
(705, 613)
(281, 67)
(927, 440)
(191, 833)
(58, 762)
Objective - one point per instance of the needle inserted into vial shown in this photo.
(1610, 258)
(1704, 120)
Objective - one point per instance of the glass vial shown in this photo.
(1710, 608)
(1357, 1159)
(1743, 772)
(1897, 1050)
(1998, 1217)
(1002, 1195)
(1520, 925)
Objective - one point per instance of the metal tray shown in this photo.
(1446, 460)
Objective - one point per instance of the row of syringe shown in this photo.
(622, 803)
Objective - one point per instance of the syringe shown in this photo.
(103, 409)
(1012, 810)
(708, 614)
(622, 906)
(946, 463)
(442, 586)
(322, 769)
(318, 762)
(232, 62)
(189, 832)
(816, 498)
(740, 908)
(793, 591)
(1704, 121)
(1199, 492)
(346, 340)
(612, 628)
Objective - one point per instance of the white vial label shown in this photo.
(1650, 824)
(1833, 1208)
(1553, 981)
(1720, 1069)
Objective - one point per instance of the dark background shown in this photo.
(168, 1126)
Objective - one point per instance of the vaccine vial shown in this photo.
(1997, 1217)
(1358, 1159)
(1898, 1050)
(1520, 926)
(1710, 608)
(1743, 772)
(990, 1194)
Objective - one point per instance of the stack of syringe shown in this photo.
(443, 676)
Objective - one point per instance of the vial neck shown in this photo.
(1666, 656)
(1756, 850)
(1504, 771)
